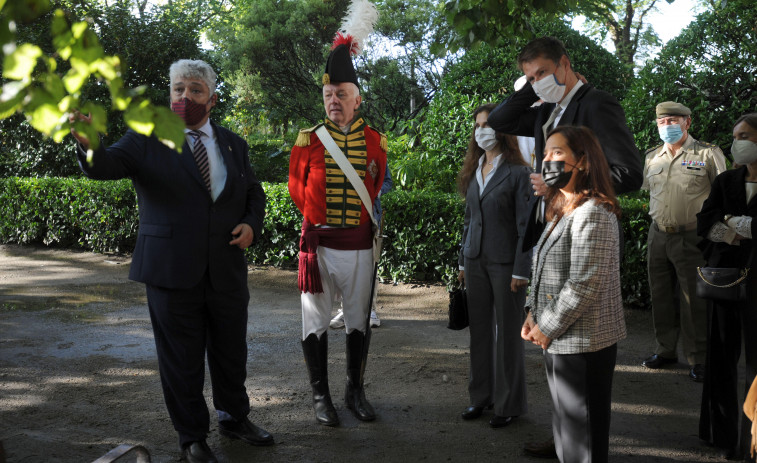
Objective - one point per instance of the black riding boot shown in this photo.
(316, 358)
(354, 394)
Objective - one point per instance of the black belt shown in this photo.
(676, 228)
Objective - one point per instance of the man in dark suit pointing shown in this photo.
(198, 211)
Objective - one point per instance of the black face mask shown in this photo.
(554, 175)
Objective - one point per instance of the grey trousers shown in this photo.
(497, 362)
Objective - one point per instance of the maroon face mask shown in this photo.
(191, 112)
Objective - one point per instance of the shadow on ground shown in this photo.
(78, 377)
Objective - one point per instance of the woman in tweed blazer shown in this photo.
(575, 310)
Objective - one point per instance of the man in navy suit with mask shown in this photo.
(198, 211)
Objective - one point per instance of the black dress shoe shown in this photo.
(696, 373)
(245, 430)
(198, 452)
(541, 449)
(471, 413)
(500, 421)
(656, 361)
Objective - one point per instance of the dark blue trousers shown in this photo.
(187, 325)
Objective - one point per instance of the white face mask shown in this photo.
(486, 138)
(549, 89)
(744, 152)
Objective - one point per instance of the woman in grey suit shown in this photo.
(495, 183)
(575, 307)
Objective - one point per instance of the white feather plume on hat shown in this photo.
(358, 24)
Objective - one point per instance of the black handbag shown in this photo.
(722, 283)
(458, 309)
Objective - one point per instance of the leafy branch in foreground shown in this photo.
(34, 82)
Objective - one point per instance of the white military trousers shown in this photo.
(349, 273)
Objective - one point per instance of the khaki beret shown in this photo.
(671, 108)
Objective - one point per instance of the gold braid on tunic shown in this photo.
(343, 205)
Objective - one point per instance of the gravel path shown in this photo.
(78, 377)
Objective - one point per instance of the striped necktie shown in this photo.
(201, 156)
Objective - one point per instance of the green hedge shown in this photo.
(422, 229)
(98, 216)
(633, 269)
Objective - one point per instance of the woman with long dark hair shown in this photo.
(575, 309)
(495, 183)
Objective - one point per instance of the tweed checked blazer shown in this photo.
(575, 288)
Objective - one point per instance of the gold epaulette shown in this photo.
(654, 149)
(384, 143)
(303, 138)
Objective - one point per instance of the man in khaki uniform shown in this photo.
(678, 175)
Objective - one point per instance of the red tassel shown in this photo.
(308, 274)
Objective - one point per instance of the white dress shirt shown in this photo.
(565, 102)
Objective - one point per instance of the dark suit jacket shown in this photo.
(495, 222)
(589, 107)
(182, 232)
(727, 196)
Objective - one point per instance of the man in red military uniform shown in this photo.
(336, 254)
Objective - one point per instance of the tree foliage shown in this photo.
(46, 87)
(491, 21)
(495, 21)
(165, 35)
(274, 54)
(399, 73)
(626, 24)
(711, 67)
(486, 74)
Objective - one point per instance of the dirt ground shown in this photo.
(78, 377)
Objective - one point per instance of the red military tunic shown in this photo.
(311, 168)
(325, 196)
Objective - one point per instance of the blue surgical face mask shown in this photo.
(670, 134)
